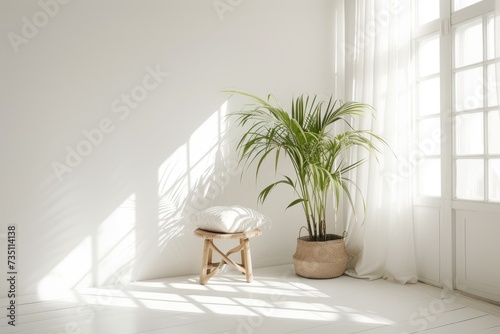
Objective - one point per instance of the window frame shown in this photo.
(445, 26)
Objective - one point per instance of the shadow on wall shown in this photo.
(147, 234)
(193, 176)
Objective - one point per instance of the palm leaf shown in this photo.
(305, 138)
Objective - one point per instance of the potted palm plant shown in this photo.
(305, 136)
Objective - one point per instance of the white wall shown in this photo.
(119, 213)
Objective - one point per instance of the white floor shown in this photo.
(276, 302)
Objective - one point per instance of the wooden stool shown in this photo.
(209, 269)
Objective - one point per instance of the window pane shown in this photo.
(427, 10)
(494, 180)
(459, 4)
(470, 179)
(490, 37)
(469, 43)
(492, 85)
(429, 97)
(429, 133)
(494, 132)
(469, 89)
(469, 135)
(428, 56)
(429, 177)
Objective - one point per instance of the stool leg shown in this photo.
(206, 259)
(209, 258)
(248, 260)
(243, 260)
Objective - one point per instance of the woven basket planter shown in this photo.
(320, 259)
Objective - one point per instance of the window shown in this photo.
(456, 98)
(428, 115)
(459, 4)
(475, 109)
(427, 106)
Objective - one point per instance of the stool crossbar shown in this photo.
(209, 268)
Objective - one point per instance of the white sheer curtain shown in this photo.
(497, 46)
(373, 65)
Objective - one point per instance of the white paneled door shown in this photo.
(457, 125)
(478, 250)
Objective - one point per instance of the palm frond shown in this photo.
(306, 137)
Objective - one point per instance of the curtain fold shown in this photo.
(374, 66)
(497, 47)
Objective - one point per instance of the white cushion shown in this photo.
(229, 219)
